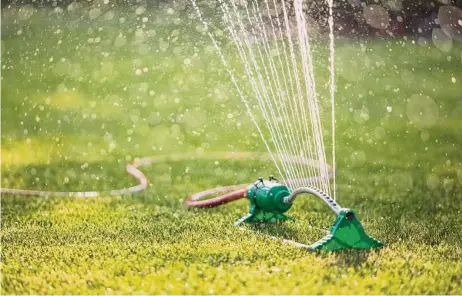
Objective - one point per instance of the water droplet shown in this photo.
(422, 41)
(432, 181)
(358, 158)
(25, 12)
(450, 18)
(361, 115)
(453, 79)
(138, 72)
(108, 15)
(441, 40)
(425, 136)
(120, 41)
(94, 13)
(422, 111)
(389, 109)
(376, 16)
(140, 10)
(380, 132)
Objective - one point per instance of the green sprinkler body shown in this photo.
(267, 202)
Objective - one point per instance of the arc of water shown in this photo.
(332, 90)
(294, 108)
(285, 122)
(286, 97)
(313, 108)
(260, 94)
(312, 101)
(292, 67)
(241, 94)
(308, 75)
(282, 93)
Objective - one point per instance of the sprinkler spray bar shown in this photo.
(316, 192)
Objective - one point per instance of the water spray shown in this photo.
(284, 87)
(283, 82)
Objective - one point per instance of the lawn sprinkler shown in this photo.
(270, 200)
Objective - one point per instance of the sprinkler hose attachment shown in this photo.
(270, 200)
(267, 202)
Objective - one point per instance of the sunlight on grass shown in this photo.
(64, 100)
(29, 151)
(87, 107)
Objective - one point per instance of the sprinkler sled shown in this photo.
(270, 200)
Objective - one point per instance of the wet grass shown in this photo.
(74, 112)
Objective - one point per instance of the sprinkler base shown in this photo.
(346, 233)
(258, 216)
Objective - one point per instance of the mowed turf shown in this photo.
(86, 91)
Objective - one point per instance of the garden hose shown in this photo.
(232, 193)
(133, 170)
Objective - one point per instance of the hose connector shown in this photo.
(267, 202)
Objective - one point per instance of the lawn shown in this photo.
(86, 91)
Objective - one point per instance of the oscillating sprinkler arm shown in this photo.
(316, 192)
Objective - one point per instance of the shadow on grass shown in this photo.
(351, 258)
(347, 258)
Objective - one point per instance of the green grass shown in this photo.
(74, 113)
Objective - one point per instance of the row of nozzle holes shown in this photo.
(323, 195)
(271, 178)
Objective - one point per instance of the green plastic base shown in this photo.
(260, 216)
(347, 233)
